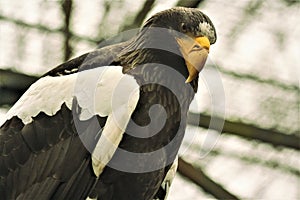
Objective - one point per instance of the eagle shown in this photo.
(108, 124)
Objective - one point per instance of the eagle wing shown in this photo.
(44, 144)
(35, 158)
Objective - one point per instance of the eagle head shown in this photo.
(190, 21)
(178, 37)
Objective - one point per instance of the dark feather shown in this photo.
(59, 165)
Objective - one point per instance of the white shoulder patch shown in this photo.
(103, 91)
(94, 90)
(46, 95)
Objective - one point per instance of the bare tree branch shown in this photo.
(107, 8)
(43, 28)
(251, 77)
(139, 18)
(67, 11)
(250, 12)
(189, 3)
(13, 85)
(273, 163)
(202, 180)
(273, 137)
(14, 80)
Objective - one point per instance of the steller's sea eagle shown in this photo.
(108, 124)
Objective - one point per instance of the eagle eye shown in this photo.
(183, 28)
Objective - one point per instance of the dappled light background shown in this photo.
(256, 56)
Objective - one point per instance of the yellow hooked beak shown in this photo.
(195, 52)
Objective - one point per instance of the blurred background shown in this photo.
(256, 60)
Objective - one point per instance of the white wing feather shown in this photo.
(103, 91)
